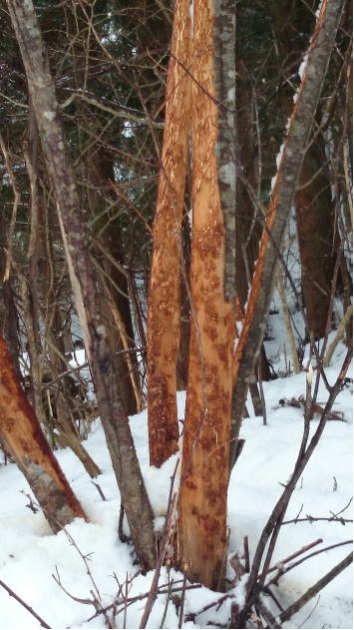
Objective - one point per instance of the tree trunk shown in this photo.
(202, 535)
(315, 210)
(97, 164)
(282, 198)
(114, 287)
(315, 216)
(183, 352)
(23, 436)
(164, 293)
(84, 282)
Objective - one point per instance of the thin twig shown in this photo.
(183, 601)
(100, 491)
(20, 601)
(313, 519)
(316, 588)
(163, 550)
(334, 516)
(270, 619)
(246, 554)
(294, 555)
(162, 590)
(279, 510)
(310, 555)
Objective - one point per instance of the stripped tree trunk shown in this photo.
(282, 199)
(23, 437)
(202, 535)
(164, 294)
(84, 282)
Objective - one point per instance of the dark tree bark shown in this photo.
(317, 223)
(318, 240)
(183, 352)
(114, 286)
(84, 281)
(97, 164)
(282, 198)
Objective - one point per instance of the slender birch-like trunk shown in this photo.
(84, 281)
(284, 190)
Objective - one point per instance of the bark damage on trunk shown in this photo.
(284, 190)
(85, 282)
(202, 535)
(164, 295)
(25, 440)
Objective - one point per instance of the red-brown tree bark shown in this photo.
(202, 535)
(25, 440)
(164, 294)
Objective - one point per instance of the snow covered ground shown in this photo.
(31, 557)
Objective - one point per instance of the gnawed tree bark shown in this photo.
(282, 199)
(24, 439)
(84, 282)
(202, 505)
(164, 293)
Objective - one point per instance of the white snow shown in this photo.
(30, 555)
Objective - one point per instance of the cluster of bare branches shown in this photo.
(82, 170)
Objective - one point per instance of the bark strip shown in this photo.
(24, 438)
(164, 295)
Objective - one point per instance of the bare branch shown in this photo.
(20, 601)
(316, 588)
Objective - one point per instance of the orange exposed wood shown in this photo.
(204, 475)
(23, 435)
(164, 298)
(283, 194)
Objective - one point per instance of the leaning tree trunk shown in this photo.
(84, 281)
(164, 292)
(202, 532)
(24, 439)
(282, 199)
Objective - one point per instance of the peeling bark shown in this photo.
(164, 293)
(24, 438)
(282, 198)
(204, 476)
